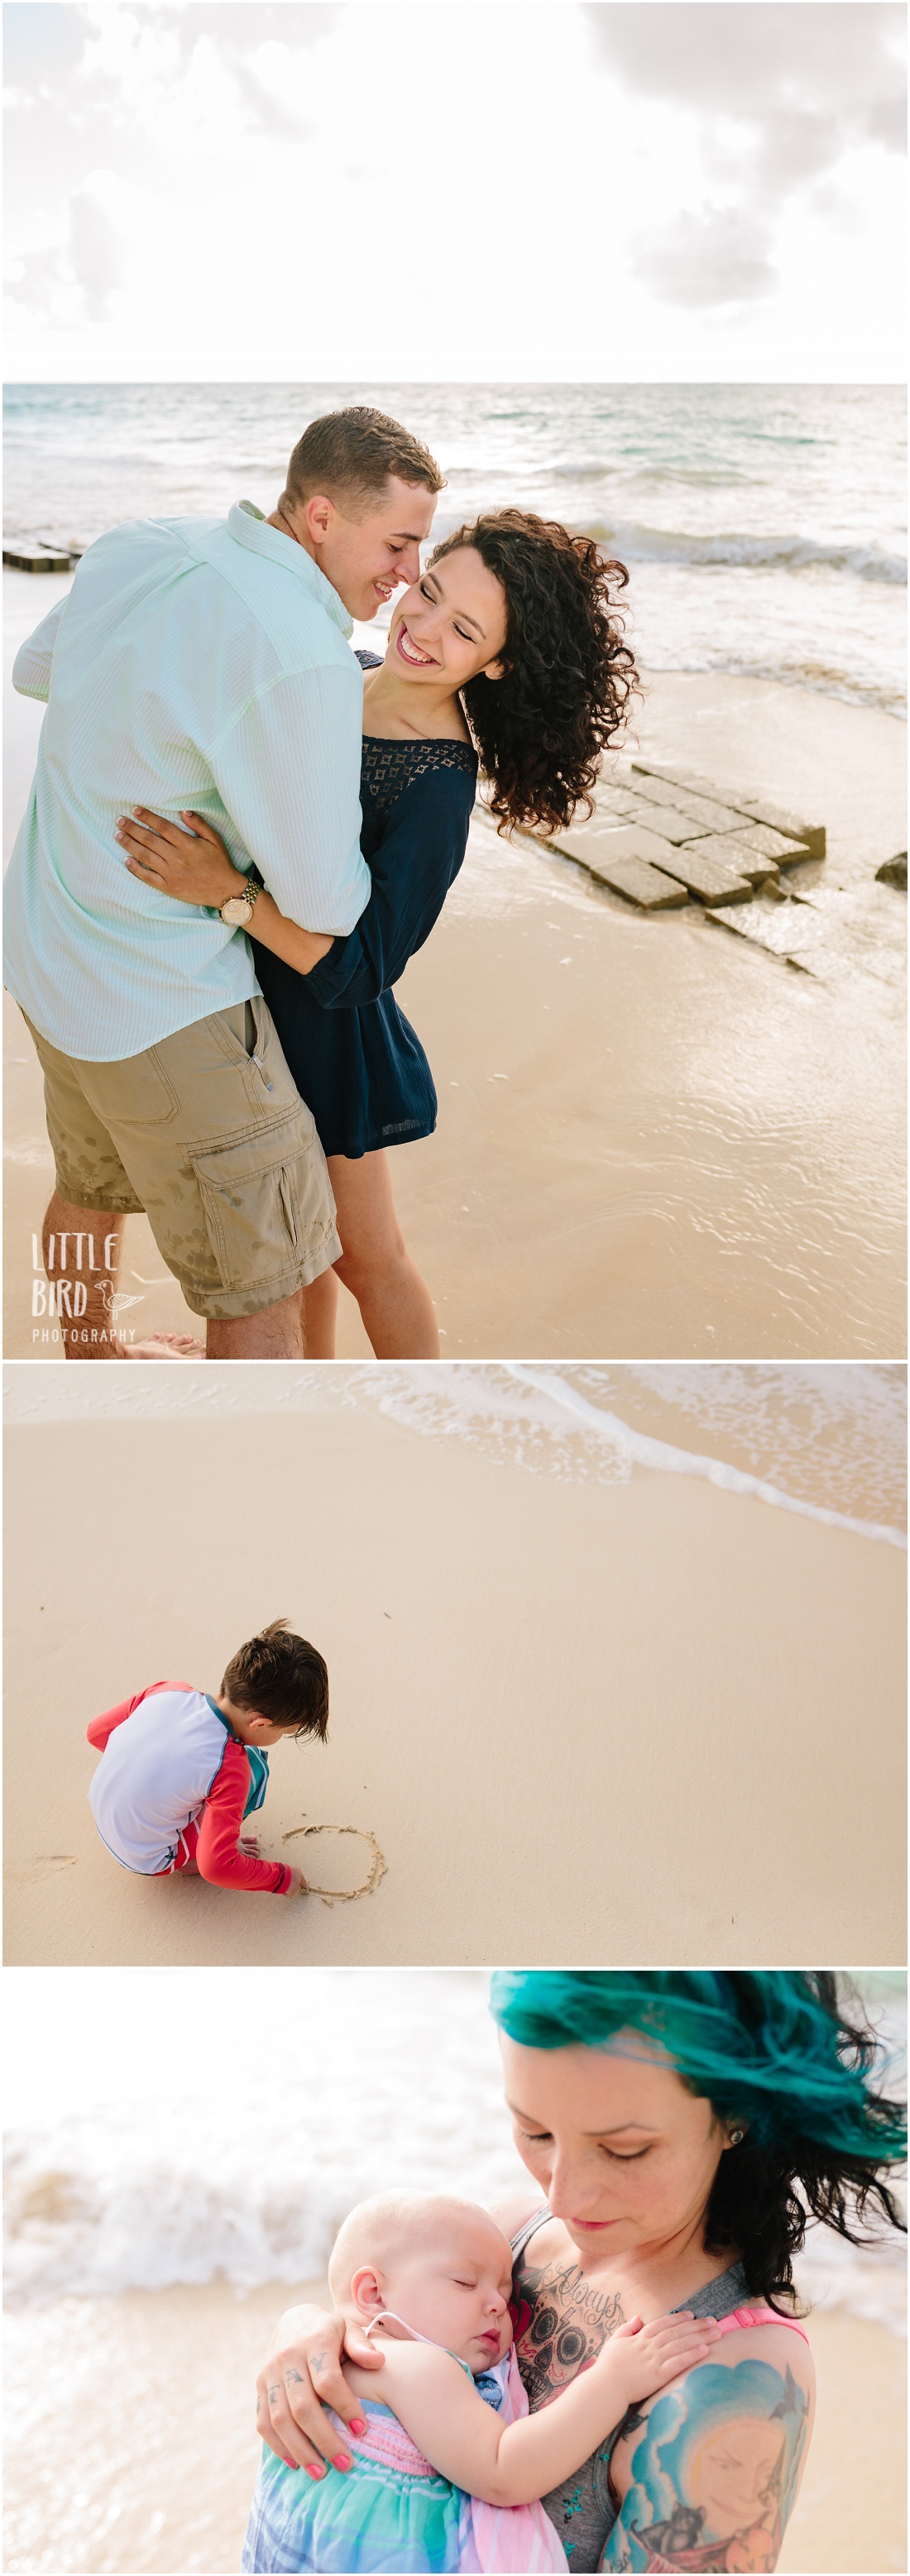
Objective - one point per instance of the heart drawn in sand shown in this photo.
(330, 1859)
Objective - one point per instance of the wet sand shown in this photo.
(652, 1140)
(650, 1723)
(133, 2444)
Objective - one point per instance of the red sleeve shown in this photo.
(102, 1727)
(217, 1856)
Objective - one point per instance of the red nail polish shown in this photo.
(344, 2461)
(313, 2471)
(357, 2424)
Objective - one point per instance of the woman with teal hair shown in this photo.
(682, 2128)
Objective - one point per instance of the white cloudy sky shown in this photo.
(452, 189)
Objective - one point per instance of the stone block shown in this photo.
(638, 881)
(893, 871)
(707, 877)
(627, 859)
(26, 554)
(744, 800)
(731, 852)
(772, 845)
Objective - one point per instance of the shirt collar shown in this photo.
(249, 527)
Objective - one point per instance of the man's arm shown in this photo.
(288, 774)
(709, 2471)
(32, 666)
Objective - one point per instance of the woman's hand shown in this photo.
(192, 864)
(303, 2375)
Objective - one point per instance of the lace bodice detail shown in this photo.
(387, 767)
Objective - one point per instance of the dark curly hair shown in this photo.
(542, 730)
(788, 2055)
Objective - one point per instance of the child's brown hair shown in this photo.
(282, 1677)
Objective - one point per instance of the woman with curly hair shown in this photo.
(507, 656)
(683, 2128)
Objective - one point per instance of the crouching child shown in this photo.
(180, 1770)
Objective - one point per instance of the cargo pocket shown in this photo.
(268, 1207)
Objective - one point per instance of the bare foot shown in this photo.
(162, 1346)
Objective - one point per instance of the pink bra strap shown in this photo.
(758, 2317)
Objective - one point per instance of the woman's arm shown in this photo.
(506, 2464)
(413, 869)
(709, 2471)
(417, 861)
(301, 2376)
(193, 866)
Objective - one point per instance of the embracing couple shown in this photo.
(238, 833)
(611, 2369)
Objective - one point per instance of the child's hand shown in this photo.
(297, 1885)
(648, 2356)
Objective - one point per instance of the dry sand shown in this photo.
(652, 1140)
(586, 1724)
(137, 2448)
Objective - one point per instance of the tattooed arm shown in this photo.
(708, 2472)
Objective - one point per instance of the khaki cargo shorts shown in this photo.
(206, 1132)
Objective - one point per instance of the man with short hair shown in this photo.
(201, 664)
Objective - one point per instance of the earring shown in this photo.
(736, 2137)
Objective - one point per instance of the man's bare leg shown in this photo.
(82, 1248)
(274, 1334)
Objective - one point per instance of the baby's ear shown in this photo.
(367, 2292)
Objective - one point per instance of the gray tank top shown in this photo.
(550, 2353)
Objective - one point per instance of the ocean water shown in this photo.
(827, 1441)
(764, 526)
(125, 2169)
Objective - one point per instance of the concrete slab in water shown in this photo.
(671, 824)
(27, 554)
(744, 800)
(732, 852)
(773, 845)
(641, 883)
(707, 877)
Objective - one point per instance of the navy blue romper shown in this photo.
(356, 1060)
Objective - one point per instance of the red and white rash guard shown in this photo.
(169, 1761)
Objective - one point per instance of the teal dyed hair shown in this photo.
(769, 2046)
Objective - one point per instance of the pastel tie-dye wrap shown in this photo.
(514, 2539)
(394, 2512)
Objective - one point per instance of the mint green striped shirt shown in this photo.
(195, 662)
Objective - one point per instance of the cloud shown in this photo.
(74, 280)
(236, 31)
(829, 69)
(718, 257)
(782, 89)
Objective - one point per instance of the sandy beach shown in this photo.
(649, 1723)
(132, 2441)
(652, 1139)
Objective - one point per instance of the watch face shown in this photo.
(237, 911)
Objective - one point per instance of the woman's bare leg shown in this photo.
(395, 1303)
(318, 1312)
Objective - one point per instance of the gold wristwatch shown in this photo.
(237, 912)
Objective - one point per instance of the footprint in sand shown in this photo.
(329, 1853)
(46, 1865)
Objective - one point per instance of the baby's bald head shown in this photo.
(440, 2264)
